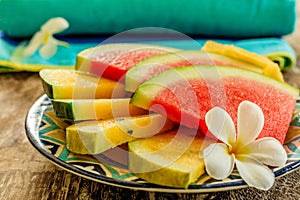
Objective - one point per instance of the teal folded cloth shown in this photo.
(277, 49)
(222, 18)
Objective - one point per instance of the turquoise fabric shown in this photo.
(222, 18)
(276, 48)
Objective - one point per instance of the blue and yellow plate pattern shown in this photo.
(46, 133)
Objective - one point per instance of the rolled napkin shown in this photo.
(222, 18)
(276, 49)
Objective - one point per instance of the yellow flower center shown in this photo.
(46, 37)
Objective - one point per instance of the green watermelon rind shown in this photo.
(135, 75)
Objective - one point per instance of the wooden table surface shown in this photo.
(25, 174)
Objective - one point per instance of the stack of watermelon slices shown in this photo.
(181, 85)
(139, 63)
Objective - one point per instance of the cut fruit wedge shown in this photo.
(186, 94)
(71, 84)
(95, 109)
(269, 68)
(94, 137)
(170, 159)
(157, 64)
(113, 60)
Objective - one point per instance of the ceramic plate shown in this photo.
(46, 133)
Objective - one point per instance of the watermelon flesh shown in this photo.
(114, 65)
(187, 101)
(277, 107)
(112, 61)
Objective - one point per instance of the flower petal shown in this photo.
(267, 150)
(35, 42)
(55, 25)
(18, 53)
(218, 162)
(254, 173)
(220, 124)
(250, 122)
(49, 49)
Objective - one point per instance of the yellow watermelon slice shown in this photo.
(268, 66)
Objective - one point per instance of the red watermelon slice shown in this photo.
(113, 60)
(159, 63)
(185, 94)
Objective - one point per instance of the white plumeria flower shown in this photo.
(251, 157)
(44, 39)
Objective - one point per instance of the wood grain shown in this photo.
(25, 174)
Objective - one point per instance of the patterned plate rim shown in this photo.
(34, 117)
